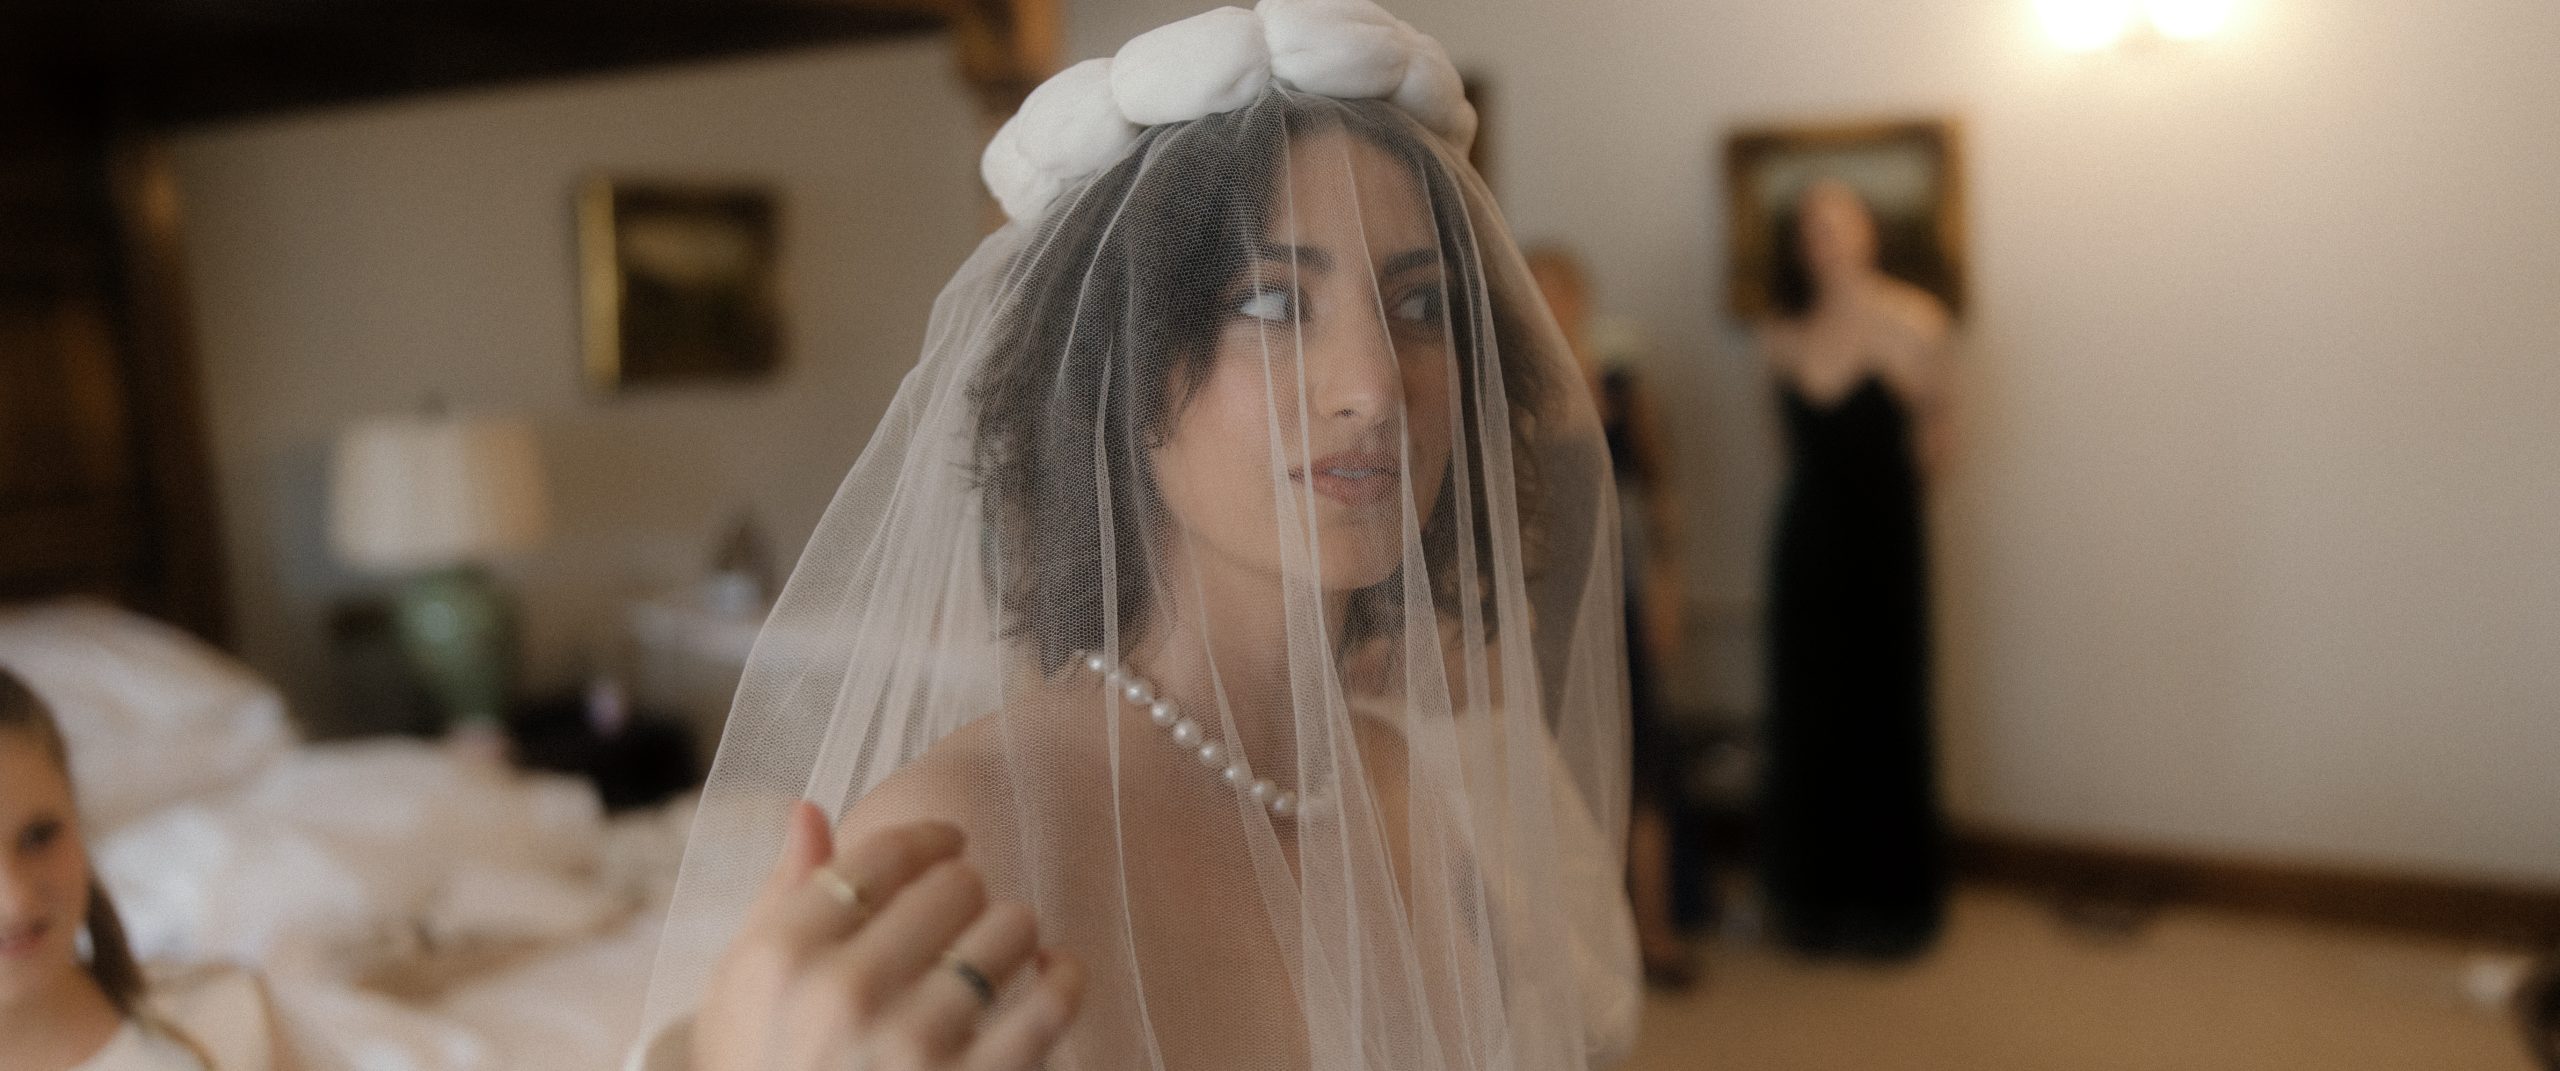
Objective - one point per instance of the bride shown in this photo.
(1213, 662)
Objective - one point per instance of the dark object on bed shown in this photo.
(635, 759)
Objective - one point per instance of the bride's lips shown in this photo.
(1353, 479)
(18, 942)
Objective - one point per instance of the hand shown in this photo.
(816, 983)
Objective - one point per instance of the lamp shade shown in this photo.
(423, 492)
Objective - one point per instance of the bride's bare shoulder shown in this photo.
(963, 777)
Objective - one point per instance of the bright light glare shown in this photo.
(2088, 25)
(2187, 20)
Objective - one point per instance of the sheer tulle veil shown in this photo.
(1237, 566)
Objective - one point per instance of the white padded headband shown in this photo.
(1081, 120)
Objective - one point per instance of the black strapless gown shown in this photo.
(1852, 844)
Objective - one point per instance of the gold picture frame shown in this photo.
(679, 282)
(1909, 171)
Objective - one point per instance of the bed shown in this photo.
(407, 905)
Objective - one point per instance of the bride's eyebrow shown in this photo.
(1303, 256)
(1408, 260)
(1314, 259)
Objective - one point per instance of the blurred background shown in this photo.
(2244, 557)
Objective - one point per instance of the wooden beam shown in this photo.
(167, 63)
(1006, 48)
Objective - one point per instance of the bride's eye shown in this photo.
(40, 835)
(1423, 305)
(1269, 304)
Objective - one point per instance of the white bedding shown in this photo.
(411, 907)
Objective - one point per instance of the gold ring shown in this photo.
(978, 983)
(840, 890)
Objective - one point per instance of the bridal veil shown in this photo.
(1237, 567)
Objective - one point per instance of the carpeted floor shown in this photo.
(2012, 988)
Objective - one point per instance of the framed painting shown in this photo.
(1907, 171)
(678, 282)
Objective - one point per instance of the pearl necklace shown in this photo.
(1192, 737)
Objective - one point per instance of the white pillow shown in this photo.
(153, 715)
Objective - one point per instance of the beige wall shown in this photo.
(355, 261)
(2256, 542)
(2255, 545)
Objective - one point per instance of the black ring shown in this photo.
(977, 979)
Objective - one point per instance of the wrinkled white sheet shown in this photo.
(347, 872)
(410, 907)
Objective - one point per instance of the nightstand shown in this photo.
(690, 649)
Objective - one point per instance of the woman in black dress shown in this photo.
(1853, 854)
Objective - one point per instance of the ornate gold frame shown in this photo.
(1748, 242)
(602, 286)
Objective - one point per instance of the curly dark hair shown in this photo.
(1158, 242)
(111, 961)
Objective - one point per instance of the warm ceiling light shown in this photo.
(2089, 25)
(2187, 20)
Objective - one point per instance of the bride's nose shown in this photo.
(1352, 375)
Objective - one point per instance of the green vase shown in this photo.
(458, 634)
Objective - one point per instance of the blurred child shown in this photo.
(71, 996)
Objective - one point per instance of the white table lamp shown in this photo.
(433, 498)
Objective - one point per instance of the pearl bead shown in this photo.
(1189, 734)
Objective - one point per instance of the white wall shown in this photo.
(2255, 545)
(354, 261)
(2256, 542)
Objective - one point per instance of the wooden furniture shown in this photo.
(103, 485)
(104, 482)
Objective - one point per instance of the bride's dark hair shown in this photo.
(1120, 296)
